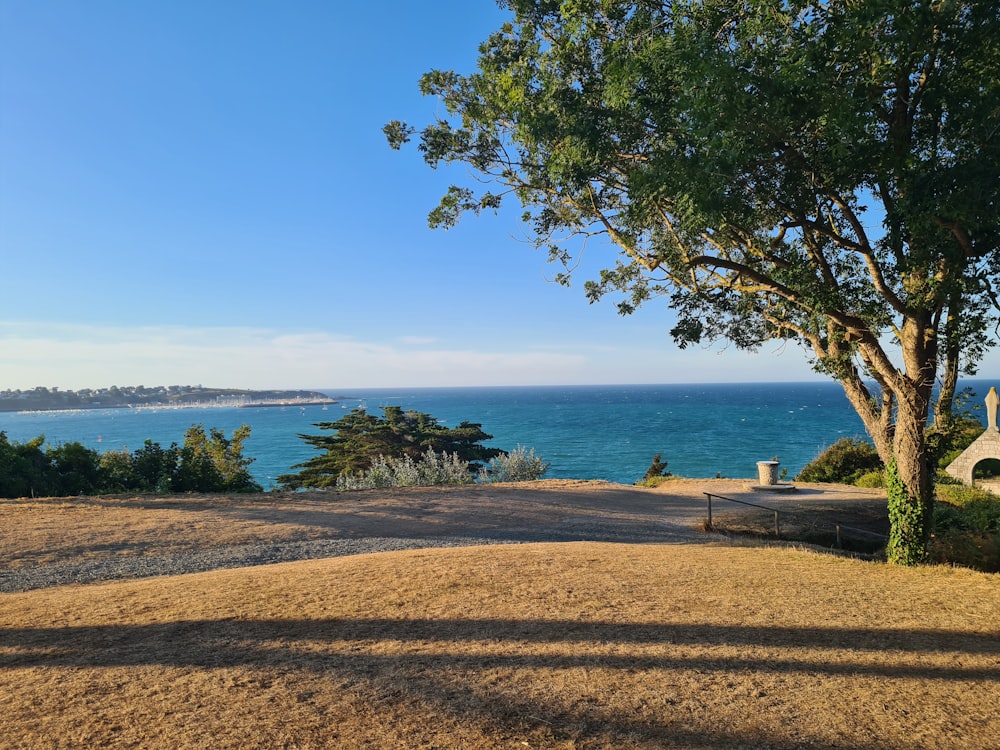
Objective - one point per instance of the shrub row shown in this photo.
(434, 469)
(204, 463)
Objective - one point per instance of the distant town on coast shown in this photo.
(172, 396)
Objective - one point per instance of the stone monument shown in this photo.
(985, 446)
(767, 478)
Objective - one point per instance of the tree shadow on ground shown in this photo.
(228, 643)
(438, 663)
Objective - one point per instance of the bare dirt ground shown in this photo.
(646, 634)
(34, 532)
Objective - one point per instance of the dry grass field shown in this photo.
(576, 644)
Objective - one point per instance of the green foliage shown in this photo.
(33, 469)
(966, 528)
(970, 549)
(909, 522)
(871, 480)
(213, 463)
(966, 508)
(436, 469)
(657, 481)
(361, 439)
(520, 465)
(75, 470)
(963, 431)
(657, 468)
(824, 173)
(203, 464)
(656, 474)
(731, 153)
(153, 467)
(844, 462)
(118, 469)
(946, 441)
(430, 470)
(24, 468)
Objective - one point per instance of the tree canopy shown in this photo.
(204, 463)
(360, 438)
(820, 171)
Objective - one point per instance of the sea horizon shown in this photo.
(605, 432)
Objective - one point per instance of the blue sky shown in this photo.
(200, 192)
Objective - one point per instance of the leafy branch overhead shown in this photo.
(821, 172)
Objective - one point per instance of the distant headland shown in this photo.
(172, 396)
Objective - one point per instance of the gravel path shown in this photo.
(122, 567)
(199, 561)
(59, 541)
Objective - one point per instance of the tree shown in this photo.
(25, 468)
(810, 170)
(118, 471)
(214, 463)
(845, 461)
(360, 438)
(205, 463)
(154, 467)
(75, 470)
(657, 469)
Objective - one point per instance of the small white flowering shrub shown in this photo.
(520, 465)
(431, 470)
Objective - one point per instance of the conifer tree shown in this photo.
(350, 445)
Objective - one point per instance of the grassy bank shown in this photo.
(579, 645)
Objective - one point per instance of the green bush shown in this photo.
(844, 462)
(657, 481)
(118, 470)
(353, 444)
(871, 480)
(988, 469)
(430, 470)
(75, 470)
(979, 551)
(205, 463)
(966, 528)
(436, 469)
(520, 465)
(656, 474)
(967, 509)
(25, 469)
(213, 463)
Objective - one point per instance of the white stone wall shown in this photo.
(986, 446)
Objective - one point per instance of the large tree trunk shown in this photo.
(910, 494)
(897, 422)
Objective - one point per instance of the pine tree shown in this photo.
(352, 444)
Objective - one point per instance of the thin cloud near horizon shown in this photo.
(87, 356)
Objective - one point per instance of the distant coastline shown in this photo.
(159, 397)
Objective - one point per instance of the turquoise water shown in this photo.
(586, 432)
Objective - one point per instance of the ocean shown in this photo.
(608, 432)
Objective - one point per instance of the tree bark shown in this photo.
(945, 403)
(910, 494)
(896, 421)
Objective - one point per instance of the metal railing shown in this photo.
(837, 527)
